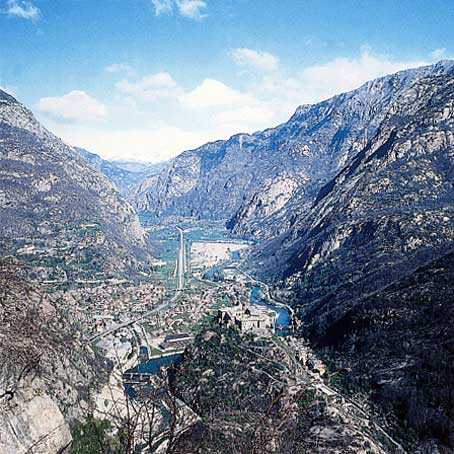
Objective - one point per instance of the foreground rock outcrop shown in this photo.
(48, 372)
(267, 396)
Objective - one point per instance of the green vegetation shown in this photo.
(306, 399)
(94, 436)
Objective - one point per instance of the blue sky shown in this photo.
(146, 79)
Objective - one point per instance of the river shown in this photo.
(284, 318)
(201, 231)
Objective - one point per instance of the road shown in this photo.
(181, 266)
(329, 392)
(136, 320)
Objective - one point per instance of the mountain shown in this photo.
(58, 213)
(370, 264)
(252, 180)
(123, 174)
(145, 168)
(353, 199)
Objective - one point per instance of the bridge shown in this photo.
(137, 378)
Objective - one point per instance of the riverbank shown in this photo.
(276, 301)
(284, 317)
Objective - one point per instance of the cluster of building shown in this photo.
(104, 306)
(187, 312)
(55, 257)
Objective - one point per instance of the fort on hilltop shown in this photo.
(249, 319)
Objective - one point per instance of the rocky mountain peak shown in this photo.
(6, 98)
(16, 115)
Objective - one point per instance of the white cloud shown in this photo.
(162, 6)
(344, 74)
(169, 119)
(150, 88)
(209, 94)
(119, 68)
(213, 93)
(23, 9)
(438, 54)
(191, 9)
(263, 61)
(244, 118)
(140, 144)
(75, 106)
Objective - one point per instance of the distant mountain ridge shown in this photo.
(260, 182)
(58, 213)
(125, 175)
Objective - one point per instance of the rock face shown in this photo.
(33, 423)
(261, 182)
(56, 211)
(48, 369)
(393, 200)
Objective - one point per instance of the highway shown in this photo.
(180, 286)
(180, 259)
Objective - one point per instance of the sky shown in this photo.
(147, 79)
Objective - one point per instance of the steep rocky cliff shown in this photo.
(396, 192)
(57, 212)
(368, 266)
(48, 368)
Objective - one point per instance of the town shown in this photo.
(138, 323)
